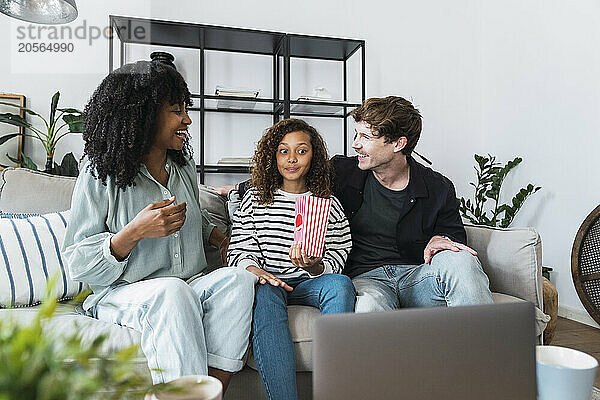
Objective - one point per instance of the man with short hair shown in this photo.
(409, 243)
(408, 240)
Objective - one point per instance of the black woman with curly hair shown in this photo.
(290, 161)
(136, 231)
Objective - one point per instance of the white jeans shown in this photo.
(186, 326)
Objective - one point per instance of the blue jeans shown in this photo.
(451, 279)
(272, 340)
(186, 326)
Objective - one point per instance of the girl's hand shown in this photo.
(314, 265)
(266, 277)
(159, 219)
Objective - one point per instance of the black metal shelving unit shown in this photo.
(281, 46)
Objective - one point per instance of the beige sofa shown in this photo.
(510, 257)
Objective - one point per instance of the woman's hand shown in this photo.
(155, 220)
(314, 265)
(266, 277)
(159, 219)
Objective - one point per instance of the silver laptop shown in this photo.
(482, 352)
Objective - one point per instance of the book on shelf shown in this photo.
(316, 108)
(236, 92)
(236, 161)
(228, 104)
(313, 98)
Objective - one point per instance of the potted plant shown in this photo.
(490, 177)
(57, 126)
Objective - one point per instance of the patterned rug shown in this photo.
(596, 394)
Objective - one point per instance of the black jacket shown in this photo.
(431, 207)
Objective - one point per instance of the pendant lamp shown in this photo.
(50, 12)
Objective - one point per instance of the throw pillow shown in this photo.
(29, 255)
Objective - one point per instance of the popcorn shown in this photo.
(312, 215)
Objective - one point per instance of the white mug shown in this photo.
(564, 373)
(195, 387)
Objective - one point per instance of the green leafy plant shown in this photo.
(36, 365)
(62, 121)
(490, 176)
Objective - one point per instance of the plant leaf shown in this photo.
(67, 167)
(28, 162)
(27, 110)
(14, 119)
(12, 158)
(8, 137)
(53, 106)
(75, 122)
(69, 110)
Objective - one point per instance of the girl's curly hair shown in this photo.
(120, 119)
(266, 178)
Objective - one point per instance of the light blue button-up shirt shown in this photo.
(98, 212)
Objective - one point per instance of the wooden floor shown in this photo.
(580, 337)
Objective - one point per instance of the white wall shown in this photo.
(511, 78)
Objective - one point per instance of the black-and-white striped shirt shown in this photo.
(263, 234)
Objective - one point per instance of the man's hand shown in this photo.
(314, 265)
(439, 243)
(222, 190)
(267, 277)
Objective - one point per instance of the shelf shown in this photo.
(235, 104)
(241, 40)
(321, 108)
(184, 34)
(323, 48)
(231, 104)
(281, 47)
(221, 38)
(223, 169)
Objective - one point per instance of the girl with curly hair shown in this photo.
(136, 231)
(290, 161)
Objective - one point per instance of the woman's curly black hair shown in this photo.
(120, 119)
(266, 178)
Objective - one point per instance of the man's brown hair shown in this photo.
(391, 117)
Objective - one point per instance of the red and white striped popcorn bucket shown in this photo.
(312, 215)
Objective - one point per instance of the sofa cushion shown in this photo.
(512, 259)
(25, 191)
(30, 255)
(214, 204)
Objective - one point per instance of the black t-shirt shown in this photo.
(374, 228)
